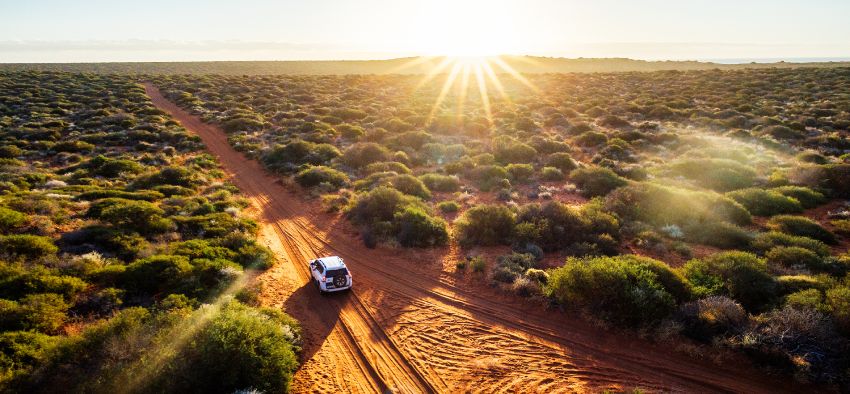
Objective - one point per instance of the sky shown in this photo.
(158, 30)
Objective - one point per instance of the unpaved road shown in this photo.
(410, 326)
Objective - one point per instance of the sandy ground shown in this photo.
(412, 324)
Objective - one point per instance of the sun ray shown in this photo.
(447, 61)
(464, 88)
(491, 75)
(482, 91)
(514, 73)
(414, 62)
(444, 92)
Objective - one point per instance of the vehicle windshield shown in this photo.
(338, 271)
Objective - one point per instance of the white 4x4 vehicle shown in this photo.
(330, 274)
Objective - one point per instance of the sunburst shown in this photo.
(460, 73)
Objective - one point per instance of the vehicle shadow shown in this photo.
(318, 314)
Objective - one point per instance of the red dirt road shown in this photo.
(410, 326)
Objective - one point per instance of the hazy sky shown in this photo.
(52, 30)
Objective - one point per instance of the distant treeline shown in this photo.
(524, 64)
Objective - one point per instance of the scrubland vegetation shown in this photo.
(122, 251)
(707, 204)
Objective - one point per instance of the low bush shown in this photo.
(551, 174)
(44, 313)
(596, 181)
(720, 234)
(317, 175)
(662, 206)
(794, 257)
(26, 246)
(520, 173)
(762, 202)
(798, 341)
(387, 166)
(141, 216)
(562, 161)
(507, 152)
(418, 229)
(362, 154)
(717, 174)
(486, 225)
(551, 226)
(765, 241)
(448, 206)
(411, 185)
(713, 316)
(288, 157)
(440, 183)
(801, 226)
(808, 198)
(488, 177)
(386, 212)
(625, 290)
(10, 219)
(591, 139)
(739, 275)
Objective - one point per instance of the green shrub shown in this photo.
(387, 166)
(625, 290)
(487, 177)
(175, 176)
(448, 206)
(551, 226)
(157, 273)
(662, 206)
(17, 280)
(507, 152)
(795, 256)
(740, 275)
(838, 303)
(22, 351)
(410, 185)
(349, 131)
(596, 181)
(240, 347)
(141, 216)
(762, 202)
(288, 157)
(801, 226)
(316, 175)
(213, 225)
(111, 168)
(418, 229)
(562, 161)
(520, 173)
(808, 198)
(44, 313)
(591, 138)
(440, 183)
(387, 212)
(717, 174)
(27, 246)
(720, 234)
(145, 195)
(362, 154)
(10, 219)
(765, 241)
(810, 298)
(551, 174)
(478, 264)
(486, 225)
